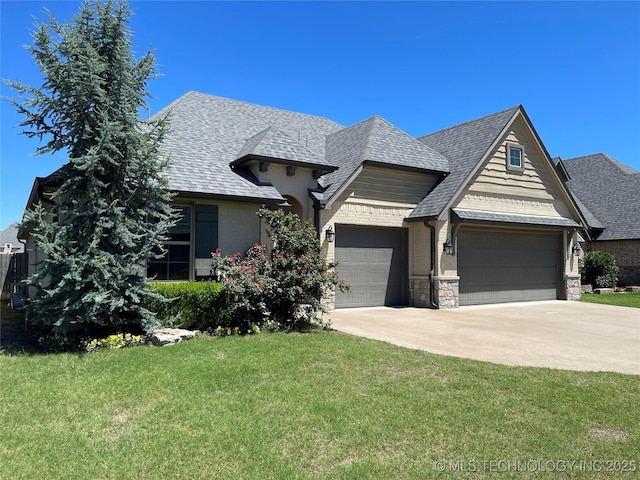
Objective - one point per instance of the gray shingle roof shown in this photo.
(375, 140)
(274, 143)
(611, 190)
(10, 235)
(207, 133)
(464, 146)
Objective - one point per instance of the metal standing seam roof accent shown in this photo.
(610, 190)
(515, 219)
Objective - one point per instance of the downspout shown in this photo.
(432, 286)
(316, 217)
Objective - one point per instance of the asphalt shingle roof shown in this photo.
(464, 146)
(274, 143)
(10, 235)
(610, 190)
(377, 141)
(207, 133)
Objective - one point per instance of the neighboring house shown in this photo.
(9, 242)
(12, 261)
(475, 213)
(610, 190)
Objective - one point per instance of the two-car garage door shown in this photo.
(497, 266)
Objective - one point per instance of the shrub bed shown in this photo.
(191, 305)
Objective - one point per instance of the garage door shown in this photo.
(374, 262)
(507, 266)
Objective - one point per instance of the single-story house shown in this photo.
(610, 191)
(475, 213)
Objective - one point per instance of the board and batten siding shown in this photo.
(530, 192)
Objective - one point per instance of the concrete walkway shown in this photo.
(555, 334)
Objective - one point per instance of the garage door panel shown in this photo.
(506, 266)
(373, 262)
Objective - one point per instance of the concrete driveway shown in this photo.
(555, 334)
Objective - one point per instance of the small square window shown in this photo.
(515, 157)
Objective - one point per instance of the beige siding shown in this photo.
(380, 197)
(533, 191)
(392, 186)
(238, 226)
(238, 229)
(419, 249)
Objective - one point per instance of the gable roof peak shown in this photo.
(507, 111)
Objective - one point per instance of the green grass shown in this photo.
(318, 405)
(625, 299)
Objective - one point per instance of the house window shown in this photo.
(206, 240)
(174, 265)
(515, 157)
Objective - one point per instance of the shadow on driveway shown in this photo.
(554, 334)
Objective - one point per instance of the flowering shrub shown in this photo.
(280, 289)
(64, 343)
(599, 269)
(113, 342)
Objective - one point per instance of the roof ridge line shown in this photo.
(471, 121)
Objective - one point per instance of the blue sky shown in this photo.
(423, 66)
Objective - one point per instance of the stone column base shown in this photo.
(572, 288)
(447, 290)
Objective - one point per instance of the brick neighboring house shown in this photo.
(476, 213)
(611, 192)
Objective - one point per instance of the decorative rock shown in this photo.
(603, 290)
(169, 336)
(633, 289)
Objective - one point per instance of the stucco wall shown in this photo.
(296, 186)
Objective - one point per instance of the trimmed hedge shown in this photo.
(192, 305)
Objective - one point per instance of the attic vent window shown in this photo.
(515, 157)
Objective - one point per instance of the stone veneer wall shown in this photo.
(329, 300)
(448, 293)
(572, 288)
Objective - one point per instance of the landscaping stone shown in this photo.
(170, 336)
(586, 288)
(633, 289)
(603, 290)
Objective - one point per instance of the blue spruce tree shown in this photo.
(109, 211)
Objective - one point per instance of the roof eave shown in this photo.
(252, 159)
(407, 168)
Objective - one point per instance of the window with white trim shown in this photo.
(515, 157)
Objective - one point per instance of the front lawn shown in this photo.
(624, 299)
(318, 405)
